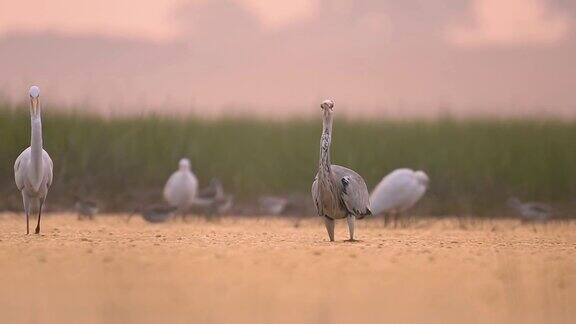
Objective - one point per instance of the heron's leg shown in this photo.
(26, 202)
(386, 219)
(329, 227)
(351, 222)
(37, 231)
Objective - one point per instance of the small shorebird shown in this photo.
(531, 211)
(86, 208)
(155, 213)
(213, 199)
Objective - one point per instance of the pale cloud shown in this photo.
(149, 20)
(135, 19)
(276, 14)
(376, 22)
(510, 23)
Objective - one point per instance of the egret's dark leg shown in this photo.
(26, 203)
(37, 231)
(351, 222)
(329, 222)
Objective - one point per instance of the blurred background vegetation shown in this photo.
(474, 165)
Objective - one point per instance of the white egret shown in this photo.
(181, 187)
(338, 192)
(398, 191)
(33, 167)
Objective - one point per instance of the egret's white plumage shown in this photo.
(33, 167)
(181, 187)
(338, 192)
(398, 191)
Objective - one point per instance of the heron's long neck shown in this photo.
(36, 149)
(324, 167)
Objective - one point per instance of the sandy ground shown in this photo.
(269, 270)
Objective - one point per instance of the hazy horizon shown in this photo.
(270, 58)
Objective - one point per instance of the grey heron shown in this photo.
(338, 192)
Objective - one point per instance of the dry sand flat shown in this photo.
(241, 270)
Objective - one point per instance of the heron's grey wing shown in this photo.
(316, 195)
(19, 172)
(354, 191)
(355, 196)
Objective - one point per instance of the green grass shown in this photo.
(474, 165)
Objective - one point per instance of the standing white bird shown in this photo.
(181, 187)
(398, 191)
(338, 192)
(33, 167)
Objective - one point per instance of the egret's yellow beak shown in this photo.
(34, 105)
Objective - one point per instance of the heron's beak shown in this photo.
(34, 106)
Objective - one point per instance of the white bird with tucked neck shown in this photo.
(33, 167)
(338, 192)
(398, 191)
(181, 188)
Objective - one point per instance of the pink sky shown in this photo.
(276, 58)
